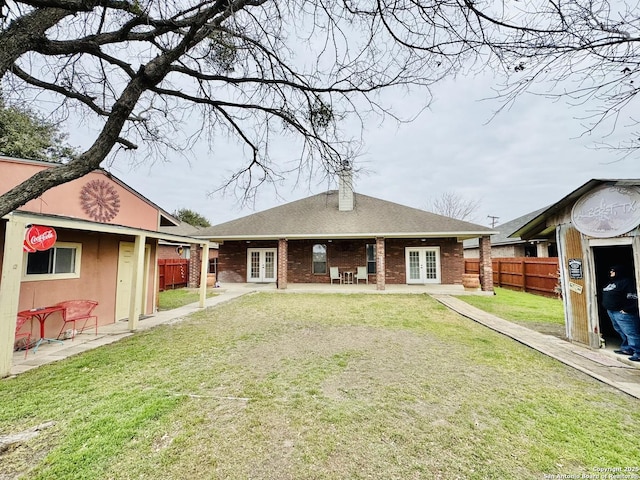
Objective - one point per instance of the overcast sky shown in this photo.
(524, 159)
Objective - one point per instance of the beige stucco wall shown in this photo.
(97, 281)
(65, 199)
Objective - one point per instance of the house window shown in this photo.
(61, 261)
(371, 258)
(530, 250)
(320, 259)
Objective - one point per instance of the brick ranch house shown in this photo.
(300, 241)
(105, 250)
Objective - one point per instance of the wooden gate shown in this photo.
(173, 273)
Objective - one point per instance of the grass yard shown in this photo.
(170, 299)
(544, 314)
(328, 386)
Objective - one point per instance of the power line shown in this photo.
(493, 220)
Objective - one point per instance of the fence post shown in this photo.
(524, 275)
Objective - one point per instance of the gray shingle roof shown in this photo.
(318, 216)
(182, 228)
(506, 229)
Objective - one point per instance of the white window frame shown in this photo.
(35, 277)
(423, 280)
(373, 262)
(326, 260)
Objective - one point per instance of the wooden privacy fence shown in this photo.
(173, 273)
(529, 274)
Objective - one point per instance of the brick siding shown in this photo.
(486, 265)
(167, 251)
(195, 266)
(344, 254)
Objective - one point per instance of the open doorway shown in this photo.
(604, 258)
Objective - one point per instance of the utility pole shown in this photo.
(493, 220)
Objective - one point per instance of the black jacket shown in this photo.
(620, 294)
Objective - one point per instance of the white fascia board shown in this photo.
(84, 225)
(346, 236)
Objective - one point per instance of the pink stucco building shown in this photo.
(106, 250)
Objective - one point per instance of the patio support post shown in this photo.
(283, 261)
(195, 265)
(135, 305)
(10, 291)
(204, 268)
(380, 265)
(486, 266)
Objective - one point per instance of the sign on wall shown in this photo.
(575, 268)
(39, 238)
(607, 211)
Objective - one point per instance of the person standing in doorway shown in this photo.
(620, 299)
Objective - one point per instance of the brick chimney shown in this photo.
(345, 187)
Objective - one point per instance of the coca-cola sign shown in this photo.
(39, 238)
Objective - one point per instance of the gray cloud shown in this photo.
(528, 156)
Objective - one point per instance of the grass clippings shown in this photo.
(296, 386)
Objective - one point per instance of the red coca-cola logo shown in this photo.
(39, 238)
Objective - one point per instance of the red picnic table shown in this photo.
(41, 314)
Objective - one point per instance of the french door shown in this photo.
(262, 265)
(423, 265)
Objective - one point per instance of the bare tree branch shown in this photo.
(141, 71)
(451, 204)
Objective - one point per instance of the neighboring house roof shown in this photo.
(537, 226)
(182, 228)
(318, 216)
(505, 230)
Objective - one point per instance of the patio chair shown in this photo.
(362, 274)
(334, 273)
(76, 311)
(26, 335)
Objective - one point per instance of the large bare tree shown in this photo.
(252, 69)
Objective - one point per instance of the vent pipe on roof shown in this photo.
(345, 187)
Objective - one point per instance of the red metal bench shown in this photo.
(76, 311)
(27, 335)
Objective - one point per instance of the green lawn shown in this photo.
(303, 386)
(544, 314)
(170, 299)
(519, 306)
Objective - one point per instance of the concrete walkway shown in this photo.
(52, 352)
(603, 365)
